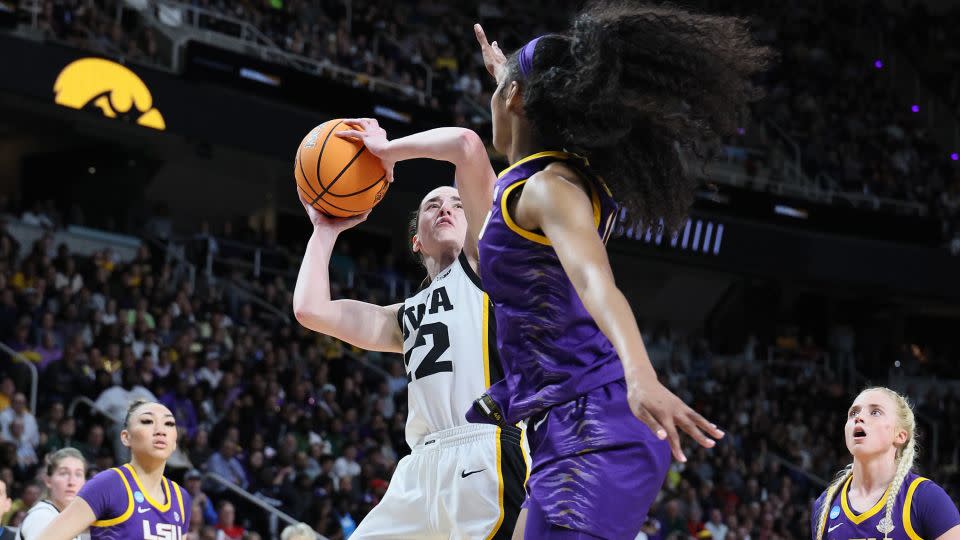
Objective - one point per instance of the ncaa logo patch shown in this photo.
(834, 512)
(137, 496)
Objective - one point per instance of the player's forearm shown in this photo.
(311, 296)
(75, 518)
(612, 313)
(451, 144)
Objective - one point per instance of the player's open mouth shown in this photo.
(859, 433)
(444, 221)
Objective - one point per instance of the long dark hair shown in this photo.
(629, 85)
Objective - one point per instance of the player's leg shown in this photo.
(521, 526)
(406, 507)
(485, 490)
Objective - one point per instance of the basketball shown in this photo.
(338, 177)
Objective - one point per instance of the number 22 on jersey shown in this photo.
(430, 358)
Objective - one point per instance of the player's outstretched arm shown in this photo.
(557, 203)
(460, 146)
(74, 519)
(363, 325)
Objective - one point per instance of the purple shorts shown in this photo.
(596, 467)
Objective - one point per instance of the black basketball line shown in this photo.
(328, 203)
(377, 181)
(305, 179)
(334, 181)
(320, 156)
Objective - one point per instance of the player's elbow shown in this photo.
(309, 318)
(470, 144)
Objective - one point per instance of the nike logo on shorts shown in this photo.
(465, 474)
(834, 527)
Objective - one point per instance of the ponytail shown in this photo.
(629, 85)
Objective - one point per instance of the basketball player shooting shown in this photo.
(461, 480)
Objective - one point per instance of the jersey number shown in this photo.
(441, 342)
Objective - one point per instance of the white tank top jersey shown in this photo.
(449, 349)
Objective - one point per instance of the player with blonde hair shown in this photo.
(878, 495)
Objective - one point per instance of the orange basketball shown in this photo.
(338, 177)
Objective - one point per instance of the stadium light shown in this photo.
(878, 63)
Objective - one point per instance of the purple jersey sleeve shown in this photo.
(936, 513)
(106, 494)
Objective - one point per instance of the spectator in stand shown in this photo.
(227, 465)
(18, 411)
(94, 450)
(28, 498)
(26, 451)
(64, 437)
(346, 466)
(227, 529)
(718, 530)
(203, 506)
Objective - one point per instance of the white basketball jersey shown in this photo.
(449, 348)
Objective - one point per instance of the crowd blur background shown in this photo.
(137, 272)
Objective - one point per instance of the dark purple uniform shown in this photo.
(125, 511)
(922, 511)
(596, 468)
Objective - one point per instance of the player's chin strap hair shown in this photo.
(905, 457)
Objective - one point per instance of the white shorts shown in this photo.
(461, 483)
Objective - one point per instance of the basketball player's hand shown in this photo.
(331, 224)
(493, 57)
(374, 137)
(664, 412)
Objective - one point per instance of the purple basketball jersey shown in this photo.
(551, 348)
(922, 511)
(124, 510)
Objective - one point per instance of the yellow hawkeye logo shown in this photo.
(110, 87)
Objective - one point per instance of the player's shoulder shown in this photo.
(557, 186)
(468, 270)
(111, 476)
(43, 509)
(925, 492)
(105, 481)
(558, 173)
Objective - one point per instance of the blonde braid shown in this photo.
(904, 464)
(828, 498)
(905, 456)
